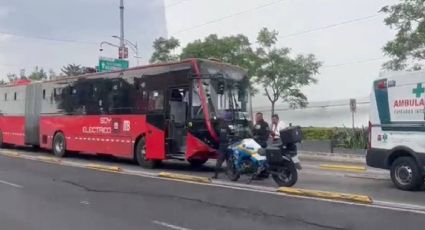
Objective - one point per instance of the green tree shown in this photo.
(52, 74)
(72, 70)
(281, 75)
(22, 74)
(408, 19)
(38, 74)
(163, 50)
(12, 77)
(235, 50)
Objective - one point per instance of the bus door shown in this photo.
(178, 105)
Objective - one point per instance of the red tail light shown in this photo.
(381, 84)
(369, 139)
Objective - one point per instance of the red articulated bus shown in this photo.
(148, 113)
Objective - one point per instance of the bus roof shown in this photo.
(185, 61)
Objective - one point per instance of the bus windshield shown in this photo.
(226, 89)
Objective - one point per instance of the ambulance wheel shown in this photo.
(196, 163)
(59, 145)
(406, 174)
(140, 156)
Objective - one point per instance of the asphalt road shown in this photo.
(374, 182)
(37, 195)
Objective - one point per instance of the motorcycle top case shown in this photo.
(291, 135)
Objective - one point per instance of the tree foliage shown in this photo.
(38, 74)
(73, 70)
(408, 19)
(163, 50)
(235, 50)
(12, 77)
(281, 75)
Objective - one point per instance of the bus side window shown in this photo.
(5, 97)
(15, 96)
(44, 94)
(156, 100)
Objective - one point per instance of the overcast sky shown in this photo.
(90, 21)
(97, 20)
(358, 41)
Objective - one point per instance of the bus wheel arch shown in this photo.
(405, 171)
(197, 162)
(1, 139)
(140, 153)
(59, 144)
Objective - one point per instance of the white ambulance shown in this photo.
(397, 128)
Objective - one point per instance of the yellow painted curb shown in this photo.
(183, 177)
(49, 159)
(104, 168)
(345, 168)
(10, 154)
(327, 195)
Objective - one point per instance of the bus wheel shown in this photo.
(406, 175)
(59, 145)
(141, 156)
(197, 162)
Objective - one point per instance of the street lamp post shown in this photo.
(122, 45)
(122, 50)
(133, 46)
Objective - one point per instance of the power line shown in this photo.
(227, 17)
(176, 3)
(287, 108)
(353, 62)
(354, 20)
(49, 39)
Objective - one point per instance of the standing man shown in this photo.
(277, 125)
(224, 140)
(261, 130)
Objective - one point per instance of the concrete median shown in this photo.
(49, 159)
(344, 168)
(354, 198)
(184, 177)
(105, 168)
(10, 154)
(333, 157)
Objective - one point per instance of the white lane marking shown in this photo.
(402, 207)
(11, 184)
(169, 225)
(85, 202)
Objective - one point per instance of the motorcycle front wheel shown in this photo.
(286, 175)
(231, 171)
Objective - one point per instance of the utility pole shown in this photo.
(122, 45)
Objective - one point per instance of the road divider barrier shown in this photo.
(106, 168)
(10, 154)
(184, 177)
(354, 198)
(49, 159)
(345, 168)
